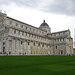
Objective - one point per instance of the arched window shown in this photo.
(21, 42)
(28, 43)
(56, 47)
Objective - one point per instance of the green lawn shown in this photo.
(37, 65)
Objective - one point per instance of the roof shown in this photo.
(44, 24)
(25, 23)
(60, 31)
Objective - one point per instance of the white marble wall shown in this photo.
(17, 35)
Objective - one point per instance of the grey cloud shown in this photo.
(28, 3)
(66, 7)
(5, 4)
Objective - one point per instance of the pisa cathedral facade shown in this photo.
(18, 38)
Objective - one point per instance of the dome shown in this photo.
(44, 24)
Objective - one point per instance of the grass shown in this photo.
(37, 65)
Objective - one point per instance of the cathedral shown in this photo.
(19, 38)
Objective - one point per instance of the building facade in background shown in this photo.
(18, 38)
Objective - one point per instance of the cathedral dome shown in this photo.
(44, 24)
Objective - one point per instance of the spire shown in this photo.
(43, 21)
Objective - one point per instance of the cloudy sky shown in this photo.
(59, 14)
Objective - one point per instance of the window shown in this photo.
(61, 52)
(56, 47)
(26, 27)
(21, 26)
(34, 43)
(60, 39)
(10, 22)
(14, 31)
(30, 28)
(3, 49)
(21, 42)
(28, 43)
(26, 34)
(9, 53)
(16, 24)
(5, 27)
(3, 43)
(39, 44)
(55, 40)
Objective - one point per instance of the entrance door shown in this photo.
(61, 52)
(3, 50)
